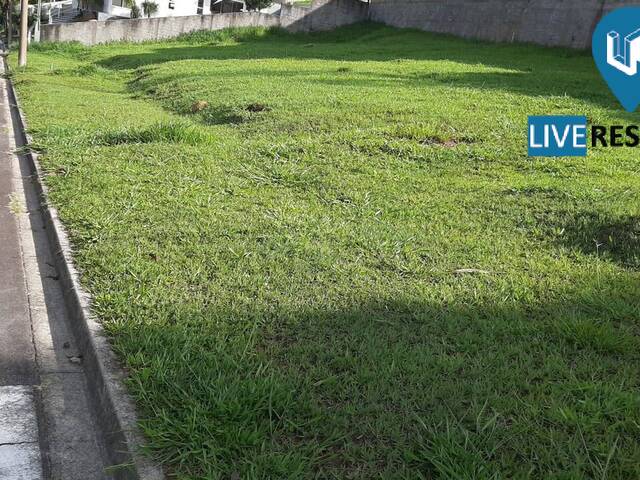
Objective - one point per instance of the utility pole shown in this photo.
(24, 32)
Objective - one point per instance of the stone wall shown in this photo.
(145, 29)
(567, 23)
(321, 15)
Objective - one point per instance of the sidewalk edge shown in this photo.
(114, 409)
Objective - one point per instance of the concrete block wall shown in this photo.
(321, 15)
(567, 23)
(147, 29)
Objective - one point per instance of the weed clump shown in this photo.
(164, 132)
(89, 70)
(74, 49)
(229, 35)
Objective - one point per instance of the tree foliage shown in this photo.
(149, 7)
(135, 9)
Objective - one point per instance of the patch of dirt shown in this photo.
(199, 106)
(449, 143)
(257, 107)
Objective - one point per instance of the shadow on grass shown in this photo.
(361, 42)
(594, 233)
(538, 71)
(395, 387)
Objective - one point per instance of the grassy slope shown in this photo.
(281, 284)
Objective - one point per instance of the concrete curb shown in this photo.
(114, 409)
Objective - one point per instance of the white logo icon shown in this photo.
(624, 56)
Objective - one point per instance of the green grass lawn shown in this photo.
(280, 266)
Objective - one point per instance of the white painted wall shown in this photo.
(180, 8)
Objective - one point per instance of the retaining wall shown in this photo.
(321, 15)
(568, 23)
(143, 29)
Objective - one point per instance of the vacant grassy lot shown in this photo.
(328, 256)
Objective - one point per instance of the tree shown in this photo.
(258, 4)
(135, 9)
(10, 17)
(7, 14)
(149, 7)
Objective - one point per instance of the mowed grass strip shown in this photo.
(328, 255)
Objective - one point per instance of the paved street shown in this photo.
(19, 446)
(19, 441)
